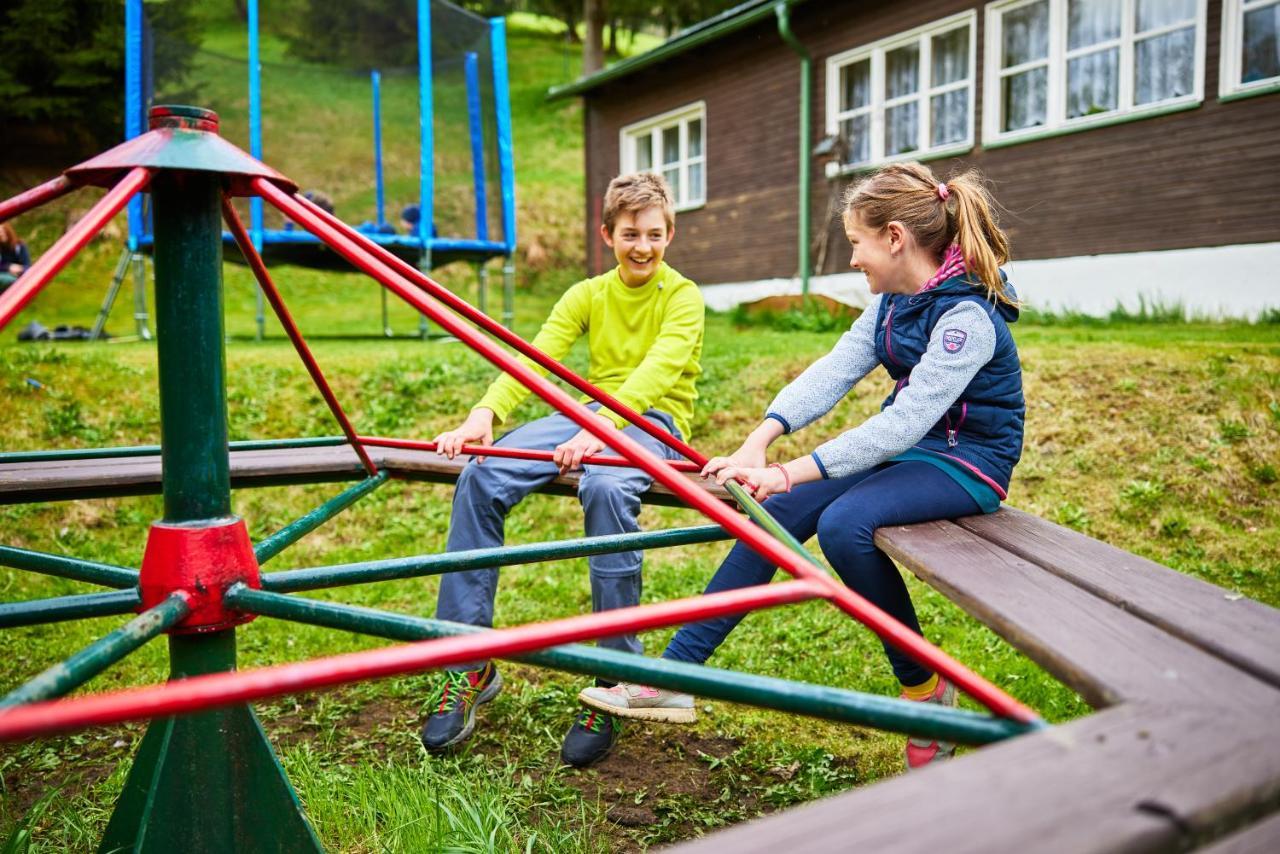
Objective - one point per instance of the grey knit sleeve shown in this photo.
(963, 340)
(825, 383)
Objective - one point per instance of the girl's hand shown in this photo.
(745, 457)
(763, 481)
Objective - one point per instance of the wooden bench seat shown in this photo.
(61, 480)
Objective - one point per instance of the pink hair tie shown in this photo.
(943, 192)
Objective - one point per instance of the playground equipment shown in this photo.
(200, 576)
(464, 133)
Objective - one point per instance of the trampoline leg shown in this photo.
(386, 323)
(140, 296)
(508, 293)
(424, 264)
(261, 314)
(482, 294)
(121, 268)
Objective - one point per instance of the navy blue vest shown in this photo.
(983, 429)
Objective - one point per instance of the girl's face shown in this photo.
(873, 255)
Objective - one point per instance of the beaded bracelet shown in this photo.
(785, 475)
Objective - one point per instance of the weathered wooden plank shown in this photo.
(61, 480)
(1260, 838)
(1234, 628)
(1104, 653)
(1140, 777)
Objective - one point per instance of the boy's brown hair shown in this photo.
(637, 192)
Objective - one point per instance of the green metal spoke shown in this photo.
(154, 450)
(60, 608)
(98, 656)
(758, 514)
(292, 580)
(291, 533)
(922, 719)
(108, 575)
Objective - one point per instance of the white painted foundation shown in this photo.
(1212, 282)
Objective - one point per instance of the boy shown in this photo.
(643, 323)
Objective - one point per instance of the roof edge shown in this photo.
(711, 29)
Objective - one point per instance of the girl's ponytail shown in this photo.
(984, 246)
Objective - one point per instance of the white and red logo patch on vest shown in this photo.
(953, 340)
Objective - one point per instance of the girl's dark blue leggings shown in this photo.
(844, 513)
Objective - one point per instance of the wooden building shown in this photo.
(1108, 127)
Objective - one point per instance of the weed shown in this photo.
(1233, 431)
(1143, 493)
(1072, 515)
(1265, 473)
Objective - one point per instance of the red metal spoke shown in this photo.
(291, 329)
(885, 626)
(35, 197)
(204, 692)
(515, 453)
(51, 262)
(502, 333)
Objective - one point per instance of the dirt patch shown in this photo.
(796, 302)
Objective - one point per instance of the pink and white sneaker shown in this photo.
(920, 752)
(640, 702)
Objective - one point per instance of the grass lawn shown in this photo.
(1159, 438)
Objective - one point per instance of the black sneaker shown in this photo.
(453, 715)
(590, 739)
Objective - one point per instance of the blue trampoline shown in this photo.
(462, 101)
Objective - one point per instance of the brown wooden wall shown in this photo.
(1204, 177)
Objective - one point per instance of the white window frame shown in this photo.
(922, 36)
(654, 126)
(1230, 70)
(1056, 121)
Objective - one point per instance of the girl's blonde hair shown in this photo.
(961, 211)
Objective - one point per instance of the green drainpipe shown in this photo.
(806, 62)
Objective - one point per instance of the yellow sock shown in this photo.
(921, 691)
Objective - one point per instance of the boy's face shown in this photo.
(639, 242)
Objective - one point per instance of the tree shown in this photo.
(593, 42)
(60, 62)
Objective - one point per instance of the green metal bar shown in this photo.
(757, 513)
(153, 450)
(291, 533)
(108, 575)
(68, 675)
(81, 606)
(191, 364)
(922, 719)
(313, 578)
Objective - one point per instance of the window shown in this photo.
(1061, 64)
(1250, 47)
(906, 96)
(673, 145)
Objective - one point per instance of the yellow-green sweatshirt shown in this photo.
(645, 344)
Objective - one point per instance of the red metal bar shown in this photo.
(515, 453)
(47, 266)
(221, 689)
(885, 626)
(35, 197)
(291, 329)
(502, 333)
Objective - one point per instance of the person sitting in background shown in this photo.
(14, 257)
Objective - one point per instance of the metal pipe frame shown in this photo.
(514, 453)
(296, 530)
(70, 674)
(108, 575)
(215, 690)
(291, 329)
(35, 197)
(58, 609)
(314, 578)
(886, 627)
(921, 719)
(21, 292)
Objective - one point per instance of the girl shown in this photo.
(14, 258)
(943, 445)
